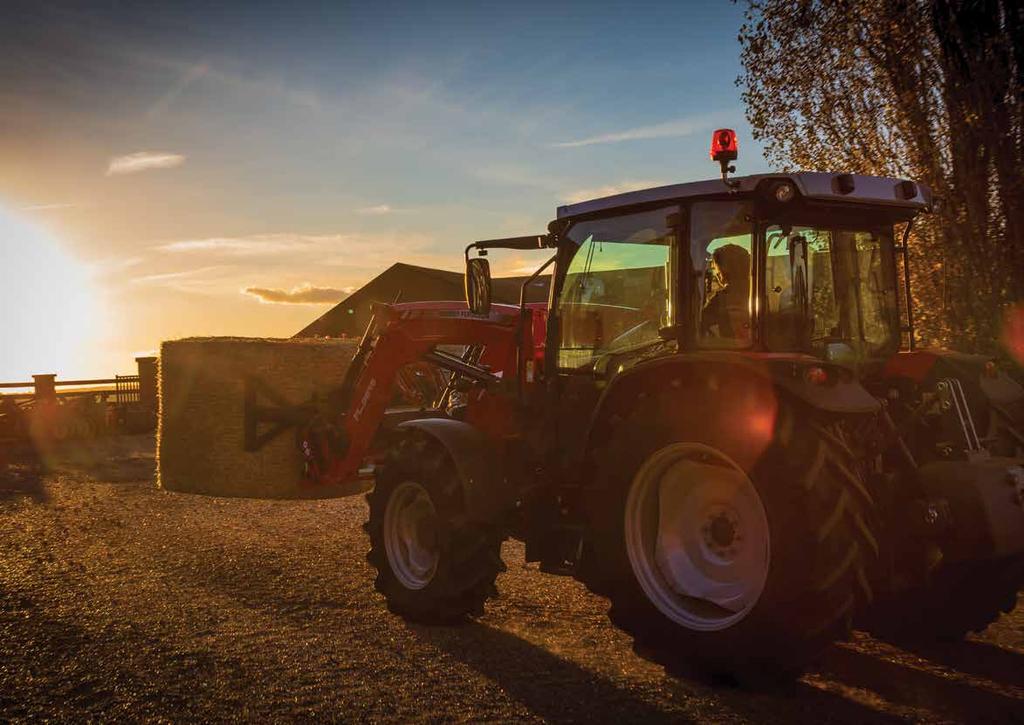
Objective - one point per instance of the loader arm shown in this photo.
(400, 334)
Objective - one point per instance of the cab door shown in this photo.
(615, 291)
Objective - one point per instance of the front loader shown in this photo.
(719, 421)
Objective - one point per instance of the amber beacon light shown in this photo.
(723, 150)
(723, 145)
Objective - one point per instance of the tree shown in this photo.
(930, 90)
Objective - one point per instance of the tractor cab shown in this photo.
(789, 275)
(794, 263)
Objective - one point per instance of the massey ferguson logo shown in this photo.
(469, 314)
(358, 413)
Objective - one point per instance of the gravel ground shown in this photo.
(122, 602)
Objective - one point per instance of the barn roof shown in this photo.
(410, 283)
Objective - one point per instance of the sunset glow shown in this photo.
(50, 307)
(243, 178)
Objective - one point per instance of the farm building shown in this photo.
(409, 283)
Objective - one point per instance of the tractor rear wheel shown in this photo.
(961, 598)
(433, 564)
(747, 572)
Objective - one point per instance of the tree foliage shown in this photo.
(930, 90)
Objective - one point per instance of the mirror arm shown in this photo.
(536, 241)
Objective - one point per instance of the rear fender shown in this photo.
(736, 395)
(486, 490)
(927, 367)
(840, 392)
(994, 398)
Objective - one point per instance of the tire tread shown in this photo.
(470, 551)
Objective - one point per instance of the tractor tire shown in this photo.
(822, 544)
(433, 565)
(960, 598)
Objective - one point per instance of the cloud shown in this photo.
(277, 88)
(50, 207)
(267, 265)
(143, 161)
(515, 174)
(380, 251)
(304, 294)
(379, 210)
(215, 280)
(188, 77)
(668, 129)
(113, 267)
(253, 245)
(166, 277)
(579, 195)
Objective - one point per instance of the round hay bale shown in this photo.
(201, 430)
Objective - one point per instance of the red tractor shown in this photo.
(719, 422)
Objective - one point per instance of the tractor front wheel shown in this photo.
(433, 564)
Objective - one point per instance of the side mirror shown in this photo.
(478, 285)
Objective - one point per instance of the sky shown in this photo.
(234, 169)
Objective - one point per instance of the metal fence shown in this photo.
(126, 389)
(123, 402)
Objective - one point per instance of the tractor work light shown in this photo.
(846, 183)
(723, 145)
(778, 192)
(906, 190)
(784, 192)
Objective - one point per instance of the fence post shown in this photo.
(45, 387)
(147, 383)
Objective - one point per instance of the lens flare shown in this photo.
(1013, 332)
(48, 307)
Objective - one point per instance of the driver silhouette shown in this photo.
(727, 310)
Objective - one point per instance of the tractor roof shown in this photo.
(813, 185)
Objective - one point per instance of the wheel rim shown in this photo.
(697, 536)
(410, 535)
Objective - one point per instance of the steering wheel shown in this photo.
(612, 344)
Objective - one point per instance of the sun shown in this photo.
(48, 307)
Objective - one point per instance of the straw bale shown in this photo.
(201, 432)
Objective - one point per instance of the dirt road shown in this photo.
(121, 602)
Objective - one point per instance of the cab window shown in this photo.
(721, 245)
(830, 285)
(617, 291)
